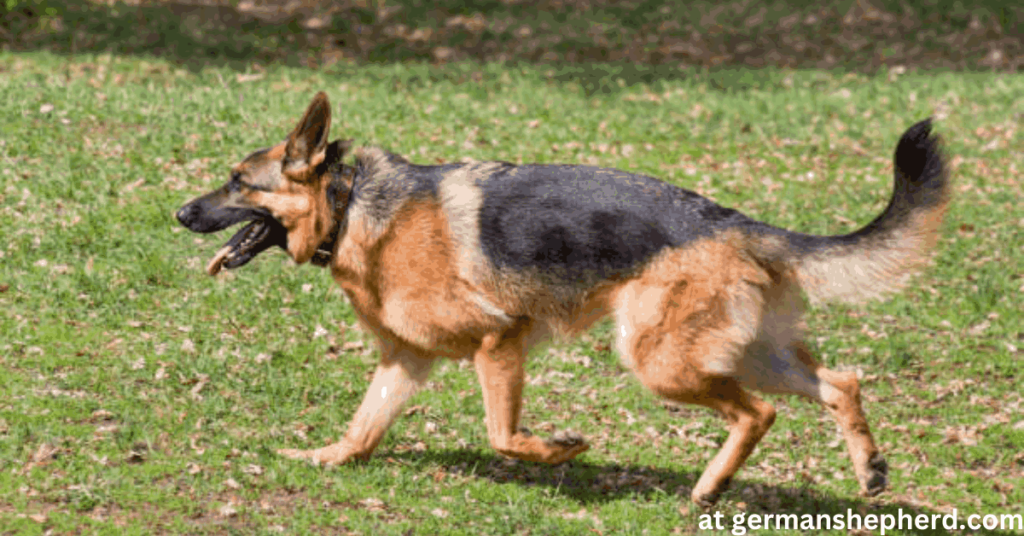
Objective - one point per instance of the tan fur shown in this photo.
(864, 273)
(704, 324)
(462, 199)
(423, 299)
(704, 298)
(258, 170)
(302, 210)
(500, 364)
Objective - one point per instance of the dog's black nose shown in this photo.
(186, 214)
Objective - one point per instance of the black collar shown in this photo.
(325, 251)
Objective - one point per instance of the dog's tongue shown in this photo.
(218, 260)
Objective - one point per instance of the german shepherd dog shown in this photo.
(483, 260)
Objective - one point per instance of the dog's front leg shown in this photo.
(499, 365)
(400, 373)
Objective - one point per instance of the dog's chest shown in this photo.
(405, 280)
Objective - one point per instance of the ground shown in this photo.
(138, 395)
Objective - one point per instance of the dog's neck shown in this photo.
(341, 180)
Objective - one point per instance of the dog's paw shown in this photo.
(705, 502)
(561, 448)
(706, 498)
(565, 446)
(567, 439)
(335, 454)
(878, 476)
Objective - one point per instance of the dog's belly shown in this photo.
(446, 321)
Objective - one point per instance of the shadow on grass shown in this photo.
(643, 40)
(186, 33)
(590, 483)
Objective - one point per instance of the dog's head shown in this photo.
(281, 191)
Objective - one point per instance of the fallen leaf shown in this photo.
(442, 53)
(194, 392)
(195, 446)
(131, 186)
(45, 453)
(979, 328)
(372, 504)
(243, 78)
(101, 415)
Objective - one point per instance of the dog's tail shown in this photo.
(879, 257)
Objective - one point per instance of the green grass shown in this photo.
(138, 395)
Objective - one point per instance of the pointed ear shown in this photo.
(310, 136)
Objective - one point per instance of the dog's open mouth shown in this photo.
(250, 241)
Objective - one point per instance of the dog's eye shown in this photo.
(235, 184)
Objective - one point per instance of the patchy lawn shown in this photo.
(139, 395)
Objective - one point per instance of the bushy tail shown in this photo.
(879, 257)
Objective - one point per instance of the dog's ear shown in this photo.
(310, 136)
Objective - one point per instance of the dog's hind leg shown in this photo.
(793, 370)
(749, 420)
(683, 336)
(748, 416)
(399, 375)
(499, 365)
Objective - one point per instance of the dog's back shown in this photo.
(558, 232)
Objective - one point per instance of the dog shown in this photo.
(484, 260)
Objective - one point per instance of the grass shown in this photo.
(139, 395)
